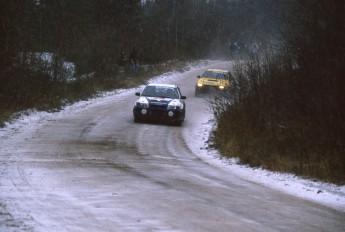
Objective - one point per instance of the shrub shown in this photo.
(267, 119)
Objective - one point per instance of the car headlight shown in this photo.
(221, 86)
(200, 84)
(173, 106)
(142, 104)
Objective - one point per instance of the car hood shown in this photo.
(157, 100)
(160, 101)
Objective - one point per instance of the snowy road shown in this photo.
(90, 168)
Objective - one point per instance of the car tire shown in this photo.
(136, 119)
(178, 123)
(197, 92)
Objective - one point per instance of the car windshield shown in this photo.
(217, 75)
(160, 91)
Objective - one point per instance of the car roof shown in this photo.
(218, 70)
(165, 85)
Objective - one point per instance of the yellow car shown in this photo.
(217, 79)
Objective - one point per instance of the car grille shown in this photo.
(157, 113)
(158, 107)
(211, 82)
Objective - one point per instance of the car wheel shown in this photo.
(178, 123)
(136, 119)
(197, 92)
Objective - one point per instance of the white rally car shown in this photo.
(160, 102)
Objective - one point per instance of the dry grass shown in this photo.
(265, 120)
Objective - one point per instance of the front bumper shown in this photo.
(169, 115)
(207, 89)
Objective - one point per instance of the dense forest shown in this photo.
(92, 33)
(284, 110)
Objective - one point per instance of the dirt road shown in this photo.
(97, 170)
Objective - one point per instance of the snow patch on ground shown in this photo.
(326, 194)
(322, 193)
